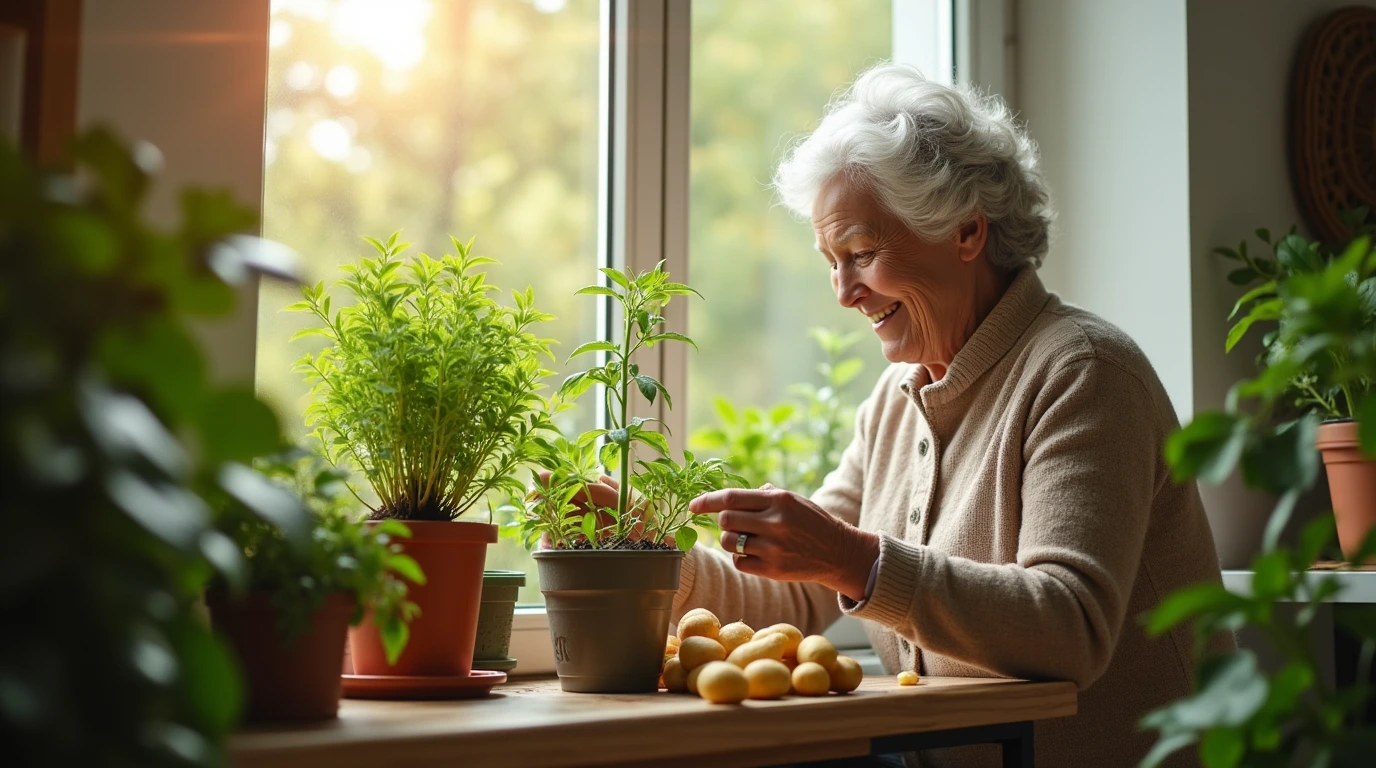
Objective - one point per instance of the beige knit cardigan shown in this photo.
(1026, 520)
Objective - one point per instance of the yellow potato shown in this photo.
(768, 647)
(792, 634)
(846, 675)
(692, 681)
(817, 649)
(734, 635)
(698, 623)
(671, 646)
(811, 679)
(696, 651)
(907, 677)
(722, 683)
(675, 676)
(768, 679)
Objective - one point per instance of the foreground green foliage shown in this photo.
(429, 387)
(342, 556)
(115, 448)
(665, 486)
(796, 443)
(1321, 357)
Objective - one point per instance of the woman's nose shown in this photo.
(850, 290)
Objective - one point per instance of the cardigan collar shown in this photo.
(1025, 298)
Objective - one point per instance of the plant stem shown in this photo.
(623, 492)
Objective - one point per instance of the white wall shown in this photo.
(1103, 88)
(190, 77)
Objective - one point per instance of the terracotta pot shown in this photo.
(288, 678)
(608, 616)
(442, 635)
(1351, 482)
(500, 590)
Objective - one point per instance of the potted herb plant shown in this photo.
(1286, 289)
(1240, 714)
(429, 388)
(609, 573)
(289, 627)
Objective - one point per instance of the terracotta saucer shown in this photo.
(474, 685)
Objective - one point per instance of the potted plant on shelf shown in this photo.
(1310, 358)
(288, 628)
(1239, 713)
(609, 572)
(430, 389)
(495, 617)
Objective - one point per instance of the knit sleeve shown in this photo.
(1090, 458)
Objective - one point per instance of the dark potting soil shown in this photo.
(642, 545)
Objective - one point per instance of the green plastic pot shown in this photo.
(500, 590)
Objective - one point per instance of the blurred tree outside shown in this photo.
(479, 118)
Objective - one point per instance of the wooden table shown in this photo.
(533, 723)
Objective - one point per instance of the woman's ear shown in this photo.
(971, 237)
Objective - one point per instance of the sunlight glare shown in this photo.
(331, 140)
(394, 32)
(315, 10)
(301, 75)
(279, 33)
(341, 81)
(550, 6)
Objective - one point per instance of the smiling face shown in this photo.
(922, 299)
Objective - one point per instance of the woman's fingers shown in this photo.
(732, 498)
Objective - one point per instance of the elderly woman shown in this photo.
(1004, 508)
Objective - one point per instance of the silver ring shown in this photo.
(740, 543)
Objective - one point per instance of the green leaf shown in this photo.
(1242, 276)
(1366, 425)
(593, 346)
(589, 526)
(209, 683)
(654, 440)
(395, 634)
(1165, 747)
(669, 336)
(1222, 748)
(597, 290)
(575, 385)
(648, 387)
(1270, 575)
(1265, 289)
(406, 567)
(237, 426)
(1264, 311)
(617, 277)
(1189, 602)
(619, 436)
(685, 538)
(1208, 447)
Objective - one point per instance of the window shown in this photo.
(761, 73)
(568, 134)
(477, 119)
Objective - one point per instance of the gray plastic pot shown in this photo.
(609, 616)
(500, 590)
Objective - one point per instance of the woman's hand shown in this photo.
(789, 538)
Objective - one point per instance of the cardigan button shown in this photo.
(915, 516)
(922, 446)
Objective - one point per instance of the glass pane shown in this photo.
(477, 119)
(762, 72)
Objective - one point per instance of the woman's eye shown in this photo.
(865, 257)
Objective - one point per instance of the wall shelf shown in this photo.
(1358, 586)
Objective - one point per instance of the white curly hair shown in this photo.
(934, 156)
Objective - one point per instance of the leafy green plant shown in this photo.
(429, 387)
(342, 556)
(1323, 353)
(553, 509)
(793, 444)
(115, 444)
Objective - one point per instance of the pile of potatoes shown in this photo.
(727, 665)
